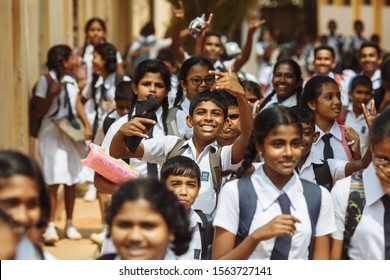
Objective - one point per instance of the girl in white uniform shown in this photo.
(276, 137)
(370, 240)
(145, 220)
(60, 155)
(24, 199)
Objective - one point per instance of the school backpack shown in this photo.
(171, 122)
(214, 159)
(248, 202)
(356, 203)
(206, 234)
(35, 116)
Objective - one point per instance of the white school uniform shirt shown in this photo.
(336, 168)
(26, 250)
(157, 149)
(359, 125)
(367, 243)
(185, 132)
(195, 247)
(60, 156)
(227, 216)
(335, 142)
(158, 132)
(289, 102)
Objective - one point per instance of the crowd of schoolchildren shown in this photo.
(289, 163)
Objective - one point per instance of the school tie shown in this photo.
(328, 151)
(282, 243)
(103, 92)
(386, 225)
(151, 167)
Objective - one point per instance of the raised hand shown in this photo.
(227, 81)
(371, 116)
(136, 127)
(254, 24)
(180, 12)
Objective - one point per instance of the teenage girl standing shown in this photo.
(60, 155)
(276, 137)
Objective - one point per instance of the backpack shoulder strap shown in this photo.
(216, 169)
(347, 149)
(206, 233)
(322, 175)
(312, 193)
(171, 121)
(353, 214)
(178, 149)
(247, 200)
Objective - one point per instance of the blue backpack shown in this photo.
(247, 204)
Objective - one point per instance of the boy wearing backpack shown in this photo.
(208, 113)
(182, 176)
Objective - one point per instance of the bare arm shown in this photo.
(321, 248)
(246, 52)
(134, 127)
(228, 82)
(176, 37)
(336, 249)
(199, 41)
(81, 113)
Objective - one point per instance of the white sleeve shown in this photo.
(337, 169)
(326, 223)
(227, 214)
(340, 195)
(156, 149)
(41, 88)
(118, 58)
(112, 131)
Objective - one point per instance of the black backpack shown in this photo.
(247, 204)
(206, 234)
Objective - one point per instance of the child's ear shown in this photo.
(134, 87)
(316, 136)
(312, 105)
(183, 85)
(189, 121)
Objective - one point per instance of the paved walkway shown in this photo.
(87, 220)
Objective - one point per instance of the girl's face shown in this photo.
(98, 63)
(381, 161)
(19, 199)
(284, 81)
(328, 104)
(95, 34)
(151, 83)
(281, 151)
(139, 232)
(70, 63)
(198, 80)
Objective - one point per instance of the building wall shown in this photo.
(30, 27)
(376, 18)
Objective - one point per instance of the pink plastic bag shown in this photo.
(115, 170)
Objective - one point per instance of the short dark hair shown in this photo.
(205, 96)
(325, 48)
(152, 66)
(162, 200)
(370, 45)
(361, 80)
(124, 91)
(108, 53)
(180, 166)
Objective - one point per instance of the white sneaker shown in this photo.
(50, 236)
(72, 233)
(98, 237)
(90, 194)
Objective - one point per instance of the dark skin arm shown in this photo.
(200, 39)
(176, 37)
(103, 185)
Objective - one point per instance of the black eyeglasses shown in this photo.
(209, 80)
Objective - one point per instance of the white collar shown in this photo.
(372, 186)
(335, 130)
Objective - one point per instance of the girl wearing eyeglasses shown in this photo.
(194, 77)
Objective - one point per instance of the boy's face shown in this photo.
(369, 59)
(207, 121)
(185, 188)
(232, 127)
(361, 94)
(122, 107)
(324, 62)
(328, 104)
(212, 48)
(308, 138)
